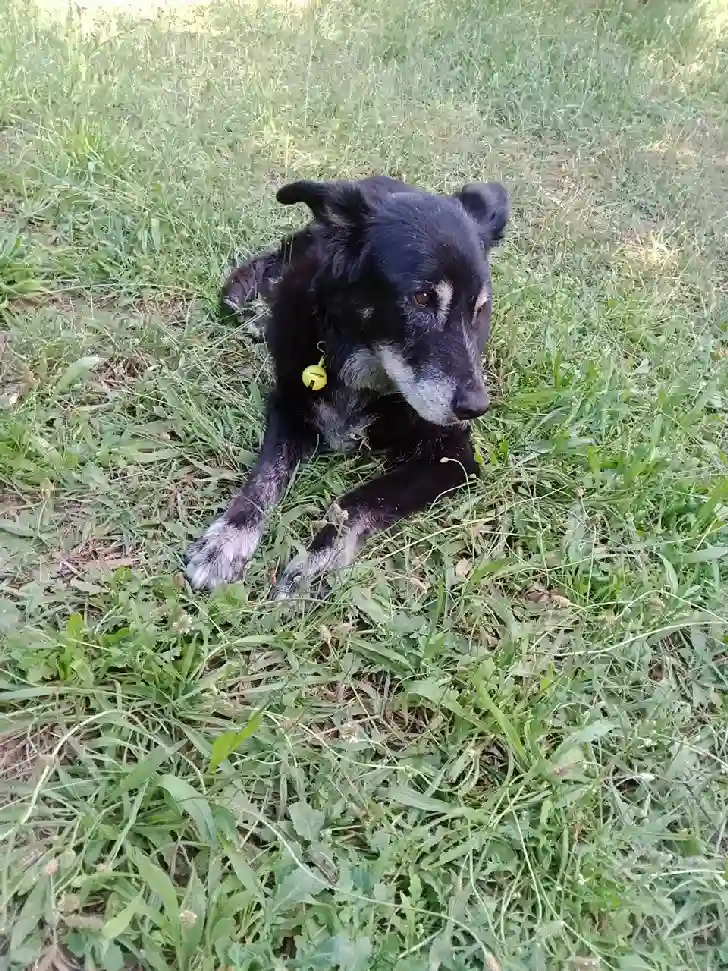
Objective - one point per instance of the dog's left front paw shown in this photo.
(294, 581)
(329, 551)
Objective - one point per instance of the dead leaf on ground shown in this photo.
(547, 598)
(16, 758)
(23, 754)
(55, 958)
(94, 559)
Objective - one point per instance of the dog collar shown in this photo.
(314, 376)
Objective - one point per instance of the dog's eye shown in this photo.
(423, 298)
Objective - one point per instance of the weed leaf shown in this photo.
(195, 805)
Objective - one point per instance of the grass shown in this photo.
(503, 743)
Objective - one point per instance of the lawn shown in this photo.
(502, 744)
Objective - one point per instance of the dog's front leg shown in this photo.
(411, 487)
(223, 551)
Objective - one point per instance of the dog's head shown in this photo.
(408, 272)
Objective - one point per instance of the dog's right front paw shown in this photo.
(220, 555)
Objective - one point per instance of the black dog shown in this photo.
(390, 288)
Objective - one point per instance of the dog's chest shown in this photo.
(343, 416)
(342, 420)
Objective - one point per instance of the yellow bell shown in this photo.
(314, 376)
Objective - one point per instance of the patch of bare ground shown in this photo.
(95, 559)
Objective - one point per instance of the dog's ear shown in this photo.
(343, 205)
(487, 205)
(341, 210)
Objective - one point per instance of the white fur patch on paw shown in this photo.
(295, 578)
(221, 554)
(337, 554)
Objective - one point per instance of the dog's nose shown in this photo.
(470, 403)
